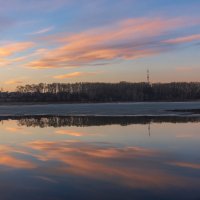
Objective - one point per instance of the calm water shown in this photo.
(100, 158)
(103, 109)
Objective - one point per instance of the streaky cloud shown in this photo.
(74, 75)
(185, 39)
(42, 31)
(125, 40)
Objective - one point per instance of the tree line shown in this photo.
(103, 92)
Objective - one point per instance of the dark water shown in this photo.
(100, 158)
(101, 109)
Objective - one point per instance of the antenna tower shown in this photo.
(148, 76)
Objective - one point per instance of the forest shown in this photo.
(103, 92)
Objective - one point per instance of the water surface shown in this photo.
(100, 109)
(100, 158)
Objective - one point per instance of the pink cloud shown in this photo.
(75, 74)
(185, 39)
(127, 39)
(70, 75)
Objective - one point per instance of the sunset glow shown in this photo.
(71, 41)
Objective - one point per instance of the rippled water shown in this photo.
(100, 158)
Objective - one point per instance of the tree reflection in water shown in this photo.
(84, 121)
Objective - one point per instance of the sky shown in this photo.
(98, 41)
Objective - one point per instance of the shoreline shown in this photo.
(85, 103)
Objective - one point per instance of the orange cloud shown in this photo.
(13, 82)
(70, 75)
(128, 39)
(12, 48)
